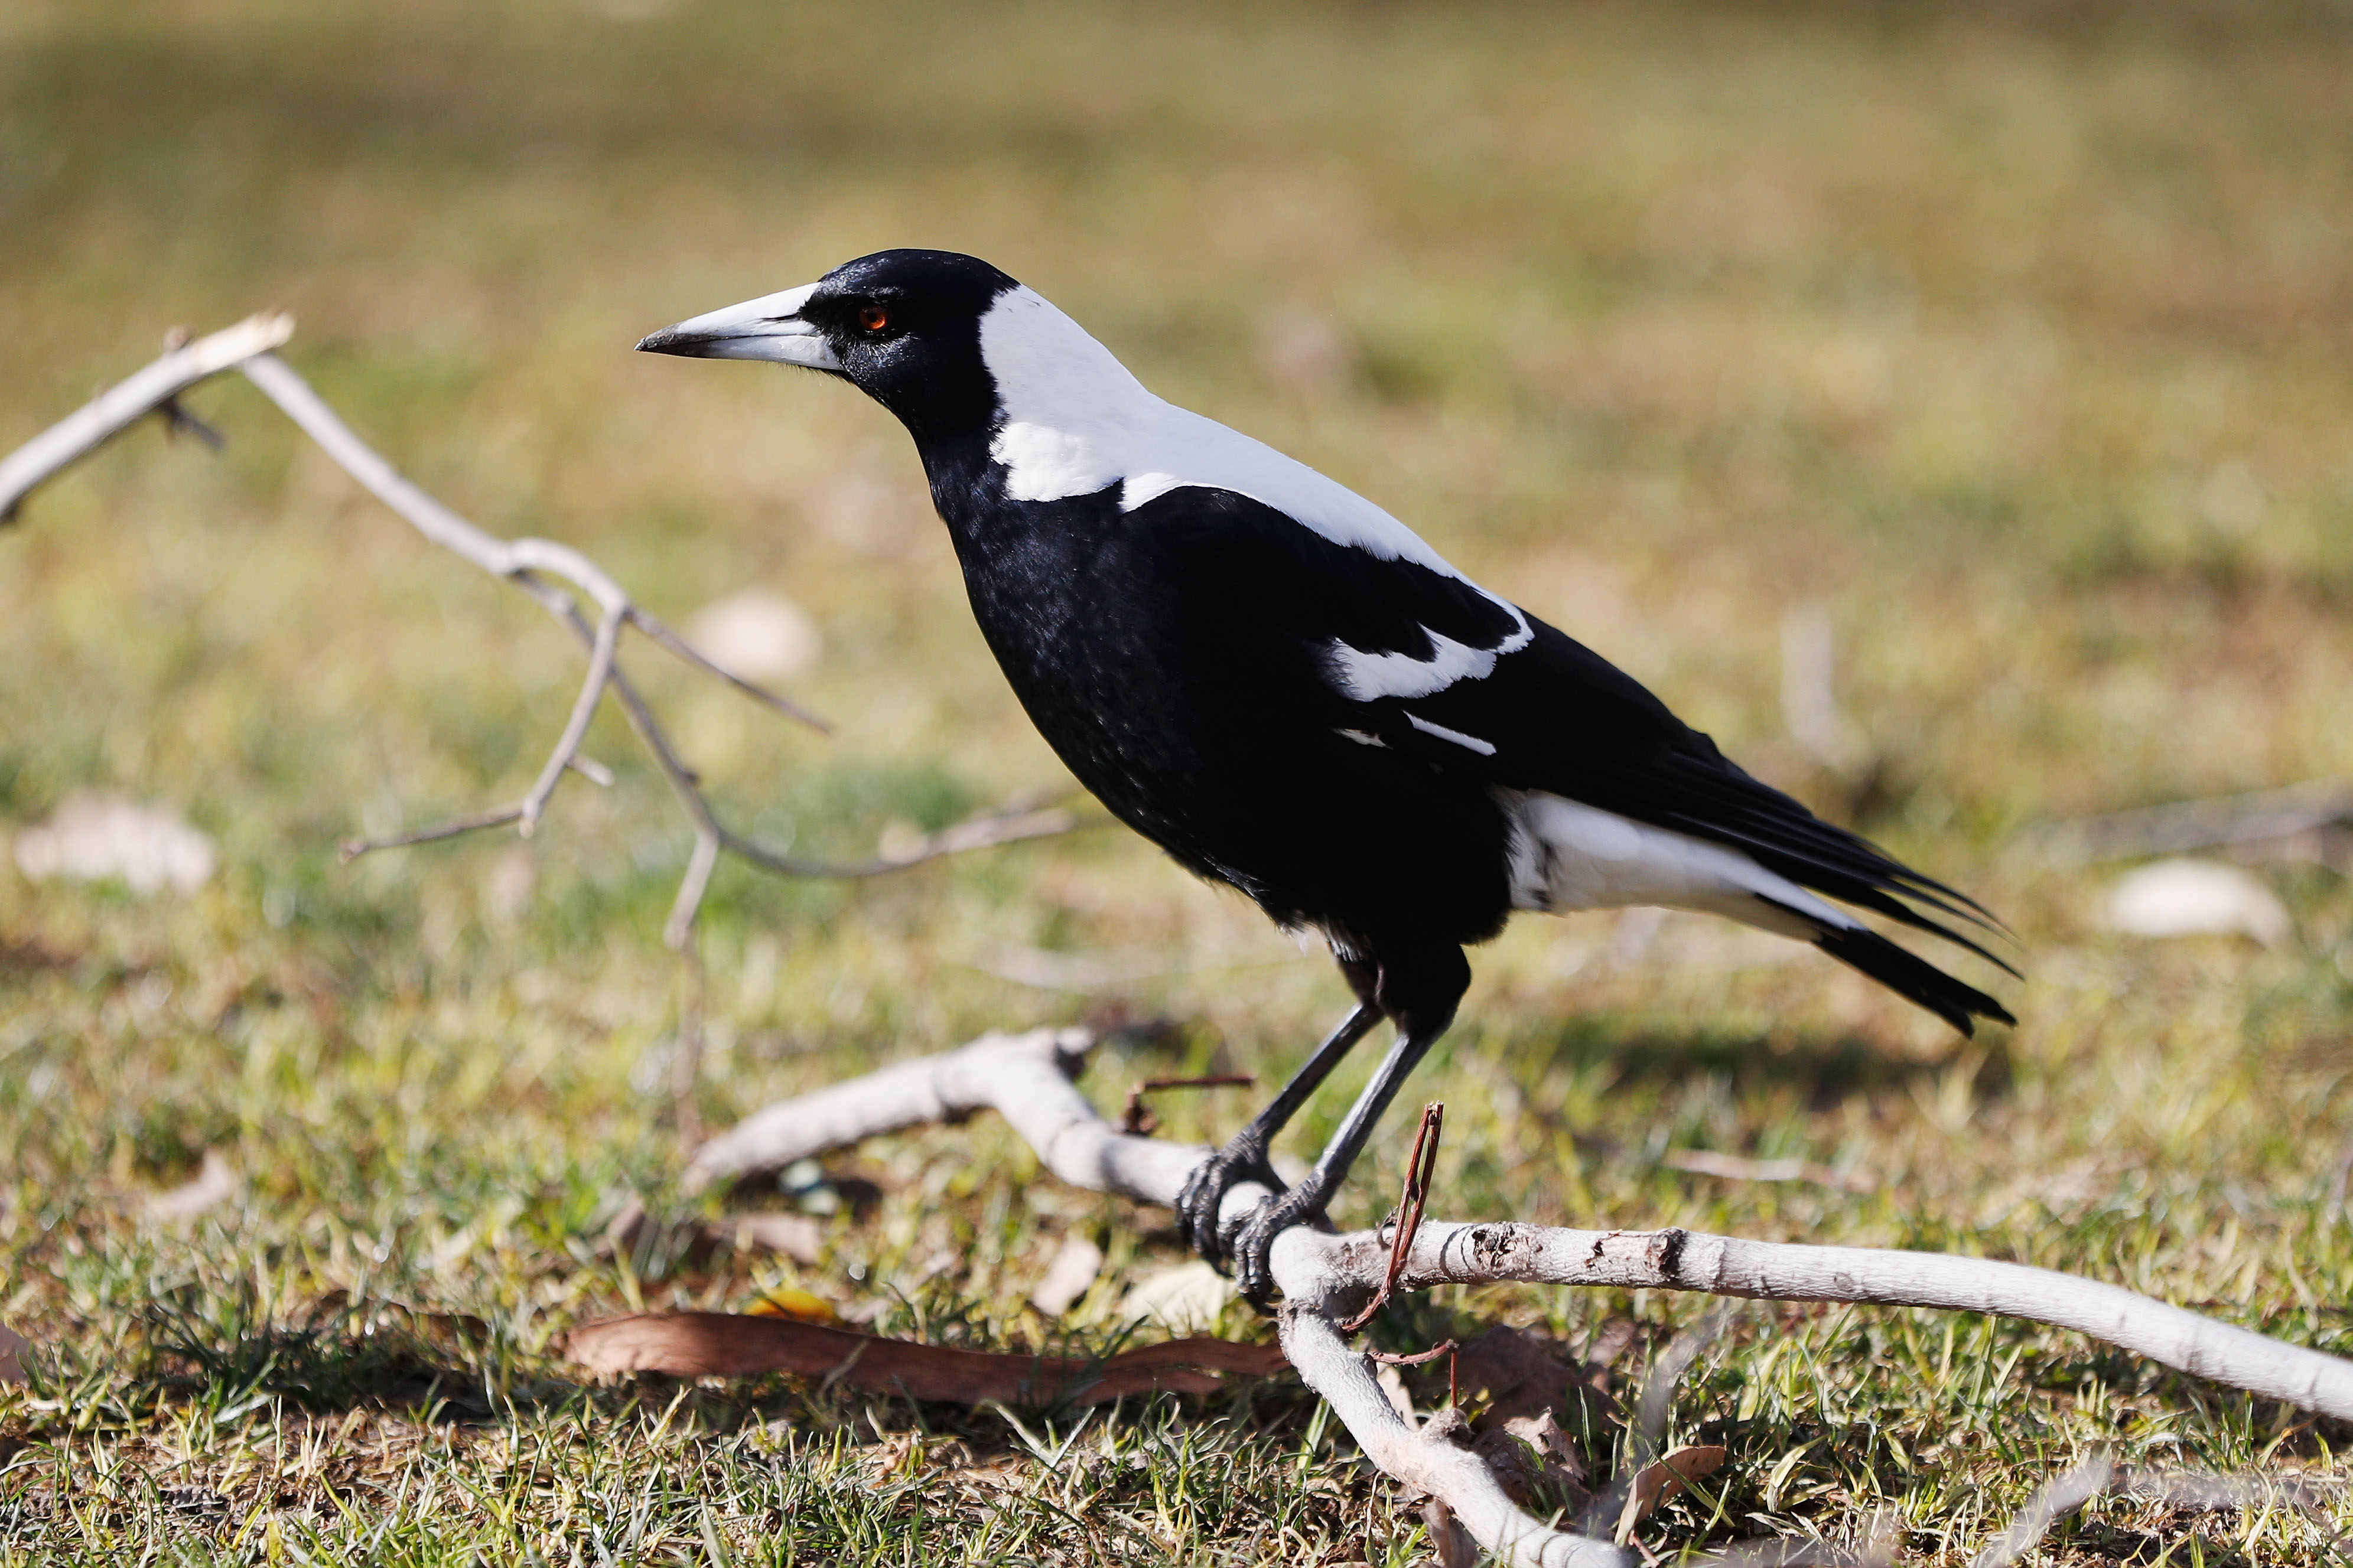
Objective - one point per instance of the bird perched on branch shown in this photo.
(1291, 692)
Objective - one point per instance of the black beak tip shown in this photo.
(669, 340)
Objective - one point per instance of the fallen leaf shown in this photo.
(1185, 1298)
(1447, 1538)
(1607, 1344)
(720, 1344)
(758, 634)
(1535, 1459)
(215, 1183)
(2197, 898)
(1520, 1374)
(627, 1226)
(799, 1237)
(95, 838)
(799, 1305)
(1392, 1383)
(1067, 1276)
(1660, 1479)
(13, 1346)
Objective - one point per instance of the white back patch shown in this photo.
(1075, 420)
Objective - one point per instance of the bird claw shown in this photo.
(1198, 1205)
(1253, 1276)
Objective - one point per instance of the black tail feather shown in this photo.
(1912, 977)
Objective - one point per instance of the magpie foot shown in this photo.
(1253, 1278)
(1241, 1160)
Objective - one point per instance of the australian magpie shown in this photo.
(1289, 692)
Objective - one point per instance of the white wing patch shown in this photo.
(1469, 742)
(1569, 856)
(1369, 677)
(1075, 421)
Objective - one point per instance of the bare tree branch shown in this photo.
(533, 566)
(1027, 1079)
(2223, 822)
(125, 404)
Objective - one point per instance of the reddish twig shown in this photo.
(1445, 1348)
(1138, 1120)
(1407, 1215)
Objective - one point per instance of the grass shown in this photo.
(2015, 338)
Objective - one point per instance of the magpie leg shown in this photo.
(1421, 996)
(1244, 1156)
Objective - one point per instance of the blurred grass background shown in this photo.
(2016, 337)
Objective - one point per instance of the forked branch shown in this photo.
(537, 566)
(1027, 1079)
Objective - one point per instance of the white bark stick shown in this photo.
(126, 402)
(1027, 1079)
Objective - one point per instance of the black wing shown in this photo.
(1433, 666)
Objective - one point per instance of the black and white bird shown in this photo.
(1288, 690)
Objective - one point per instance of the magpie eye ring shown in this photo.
(873, 318)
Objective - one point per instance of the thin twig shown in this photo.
(1406, 1217)
(1444, 1348)
(1136, 1120)
(576, 729)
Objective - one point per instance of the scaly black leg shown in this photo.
(1421, 998)
(1244, 1156)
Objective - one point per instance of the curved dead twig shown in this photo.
(1027, 1079)
(536, 566)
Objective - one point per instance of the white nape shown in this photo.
(1568, 856)
(1075, 420)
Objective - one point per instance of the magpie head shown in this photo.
(904, 325)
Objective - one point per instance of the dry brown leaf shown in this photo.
(1608, 1343)
(720, 1344)
(213, 1184)
(13, 1346)
(1447, 1538)
(1656, 1482)
(1522, 1374)
(1532, 1455)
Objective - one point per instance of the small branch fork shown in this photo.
(1326, 1279)
(1136, 1118)
(537, 566)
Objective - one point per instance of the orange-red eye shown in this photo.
(873, 318)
